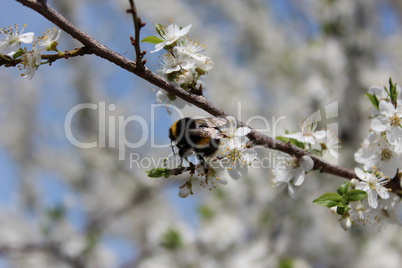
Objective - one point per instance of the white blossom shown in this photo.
(330, 143)
(362, 213)
(184, 77)
(11, 43)
(381, 94)
(346, 223)
(308, 132)
(171, 101)
(170, 34)
(236, 151)
(373, 185)
(390, 121)
(377, 153)
(48, 41)
(190, 48)
(30, 61)
(233, 133)
(282, 181)
(290, 168)
(204, 63)
(185, 190)
(176, 62)
(215, 173)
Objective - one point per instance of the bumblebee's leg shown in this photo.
(171, 146)
(185, 158)
(203, 163)
(182, 151)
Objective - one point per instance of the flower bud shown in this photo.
(346, 222)
(185, 190)
(354, 182)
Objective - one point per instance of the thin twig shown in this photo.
(136, 40)
(7, 61)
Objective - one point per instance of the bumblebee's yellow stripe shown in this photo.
(174, 129)
(204, 141)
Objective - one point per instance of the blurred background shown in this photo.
(62, 206)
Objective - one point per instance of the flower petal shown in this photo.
(242, 131)
(372, 199)
(360, 173)
(320, 134)
(184, 30)
(158, 47)
(386, 108)
(161, 96)
(234, 174)
(27, 38)
(379, 123)
(292, 191)
(383, 193)
(394, 135)
(378, 91)
(299, 177)
(306, 163)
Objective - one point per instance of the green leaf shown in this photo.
(18, 54)
(172, 240)
(316, 152)
(286, 263)
(328, 200)
(292, 141)
(340, 210)
(152, 40)
(206, 212)
(92, 239)
(374, 100)
(356, 195)
(393, 93)
(344, 188)
(57, 213)
(159, 172)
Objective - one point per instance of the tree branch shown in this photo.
(200, 101)
(104, 52)
(7, 61)
(138, 24)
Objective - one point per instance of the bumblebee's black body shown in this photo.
(201, 136)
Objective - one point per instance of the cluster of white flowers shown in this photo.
(381, 152)
(184, 63)
(382, 149)
(232, 160)
(321, 141)
(289, 170)
(10, 45)
(380, 155)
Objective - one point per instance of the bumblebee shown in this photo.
(199, 136)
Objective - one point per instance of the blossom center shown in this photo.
(211, 172)
(386, 154)
(395, 120)
(372, 184)
(235, 155)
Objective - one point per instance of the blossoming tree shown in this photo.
(240, 223)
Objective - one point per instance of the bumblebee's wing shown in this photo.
(207, 132)
(210, 122)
